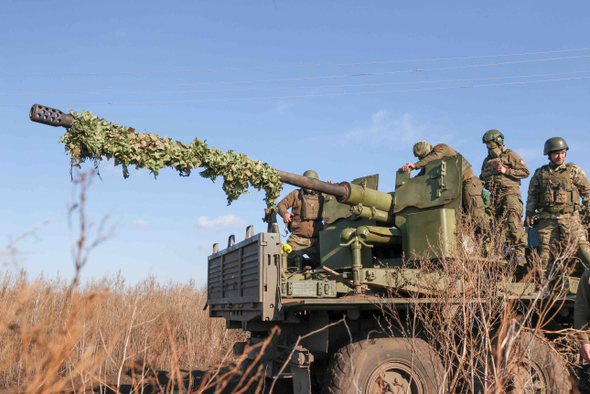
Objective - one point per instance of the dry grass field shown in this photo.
(105, 335)
(55, 336)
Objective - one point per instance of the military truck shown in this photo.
(325, 328)
(369, 241)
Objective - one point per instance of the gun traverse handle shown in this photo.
(53, 117)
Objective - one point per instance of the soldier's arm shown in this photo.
(487, 170)
(516, 167)
(582, 307)
(483, 168)
(580, 180)
(534, 185)
(437, 153)
(287, 203)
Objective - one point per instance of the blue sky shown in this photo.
(246, 76)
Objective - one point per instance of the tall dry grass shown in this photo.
(107, 326)
(61, 335)
(487, 316)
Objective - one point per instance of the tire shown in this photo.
(540, 369)
(384, 365)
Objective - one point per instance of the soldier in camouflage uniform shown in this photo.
(472, 187)
(305, 220)
(554, 192)
(501, 173)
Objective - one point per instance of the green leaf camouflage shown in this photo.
(93, 138)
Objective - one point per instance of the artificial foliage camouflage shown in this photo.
(92, 138)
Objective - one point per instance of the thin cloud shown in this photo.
(142, 223)
(404, 128)
(221, 221)
(527, 153)
(281, 107)
(204, 246)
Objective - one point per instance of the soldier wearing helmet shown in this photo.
(554, 194)
(501, 173)
(472, 187)
(305, 219)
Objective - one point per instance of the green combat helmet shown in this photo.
(493, 135)
(554, 144)
(311, 174)
(421, 149)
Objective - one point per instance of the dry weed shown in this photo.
(482, 319)
(59, 336)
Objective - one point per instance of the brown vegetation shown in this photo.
(97, 332)
(64, 336)
(486, 326)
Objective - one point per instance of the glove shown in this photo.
(528, 222)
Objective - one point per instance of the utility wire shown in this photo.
(294, 67)
(318, 78)
(296, 87)
(311, 95)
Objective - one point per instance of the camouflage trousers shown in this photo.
(556, 232)
(472, 199)
(510, 208)
(308, 246)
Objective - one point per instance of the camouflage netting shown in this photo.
(93, 138)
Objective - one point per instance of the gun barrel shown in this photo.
(51, 116)
(345, 192)
(333, 189)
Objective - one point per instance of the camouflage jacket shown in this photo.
(441, 151)
(579, 180)
(300, 227)
(504, 184)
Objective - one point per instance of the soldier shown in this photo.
(472, 187)
(554, 192)
(305, 219)
(501, 173)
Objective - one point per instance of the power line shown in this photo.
(310, 95)
(296, 87)
(294, 67)
(318, 78)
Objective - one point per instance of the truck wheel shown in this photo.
(540, 369)
(385, 365)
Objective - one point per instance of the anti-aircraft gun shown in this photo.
(367, 247)
(325, 315)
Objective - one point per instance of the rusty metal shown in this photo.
(51, 116)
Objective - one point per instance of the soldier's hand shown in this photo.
(408, 165)
(501, 169)
(287, 217)
(585, 351)
(528, 221)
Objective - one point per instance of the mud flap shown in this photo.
(301, 380)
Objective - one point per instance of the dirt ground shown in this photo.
(194, 381)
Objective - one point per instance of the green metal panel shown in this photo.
(431, 233)
(308, 288)
(370, 181)
(440, 185)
